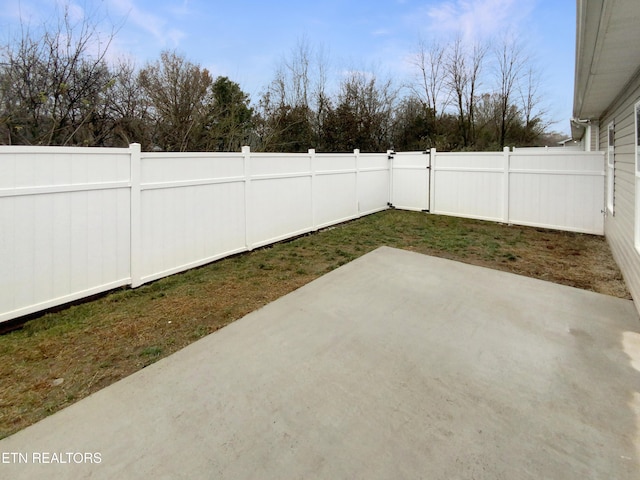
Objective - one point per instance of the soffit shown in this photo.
(607, 53)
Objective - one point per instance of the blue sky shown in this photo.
(245, 40)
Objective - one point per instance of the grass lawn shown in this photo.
(59, 358)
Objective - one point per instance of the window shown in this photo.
(610, 167)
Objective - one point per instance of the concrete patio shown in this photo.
(396, 365)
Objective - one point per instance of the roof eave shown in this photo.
(588, 17)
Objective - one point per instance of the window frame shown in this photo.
(636, 121)
(611, 167)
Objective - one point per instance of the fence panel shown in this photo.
(551, 188)
(373, 183)
(279, 198)
(410, 181)
(468, 185)
(192, 210)
(335, 184)
(562, 190)
(65, 220)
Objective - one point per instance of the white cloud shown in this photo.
(25, 14)
(476, 19)
(381, 32)
(76, 12)
(181, 10)
(149, 22)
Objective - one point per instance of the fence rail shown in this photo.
(80, 221)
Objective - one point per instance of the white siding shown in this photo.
(619, 228)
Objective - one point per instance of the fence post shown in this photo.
(356, 153)
(312, 166)
(432, 180)
(506, 193)
(135, 253)
(390, 161)
(246, 155)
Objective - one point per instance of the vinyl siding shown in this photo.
(595, 132)
(619, 227)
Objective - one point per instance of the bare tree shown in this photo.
(510, 63)
(176, 90)
(363, 117)
(53, 83)
(128, 107)
(463, 79)
(457, 82)
(431, 82)
(475, 66)
(298, 69)
(293, 107)
(291, 84)
(321, 101)
(531, 108)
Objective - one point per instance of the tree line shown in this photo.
(57, 88)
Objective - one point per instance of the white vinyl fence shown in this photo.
(79, 221)
(194, 208)
(410, 181)
(543, 188)
(65, 219)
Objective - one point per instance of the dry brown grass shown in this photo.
(61, 357)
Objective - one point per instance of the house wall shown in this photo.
(619, 226)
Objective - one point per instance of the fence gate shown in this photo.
(410, 179)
